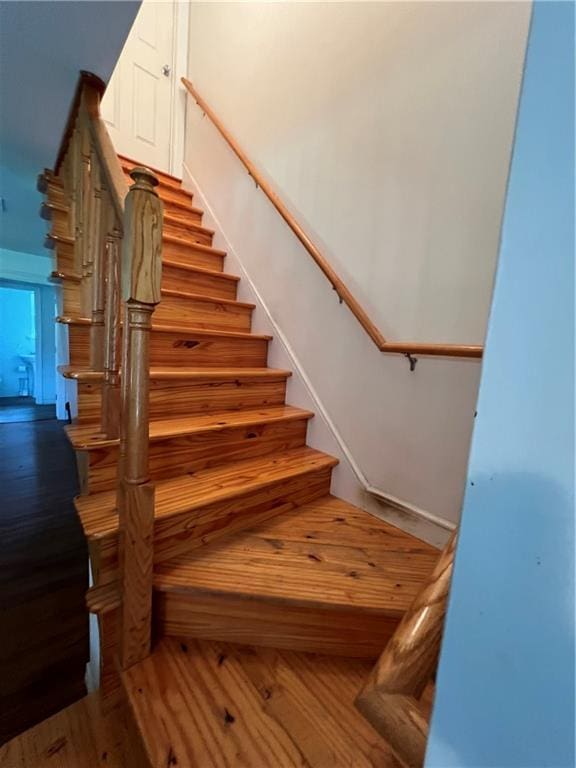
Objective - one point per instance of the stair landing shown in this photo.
(325, 577)
(217, 705)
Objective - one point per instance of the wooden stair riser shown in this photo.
(178, 279)
(194, 350)
(193, 233)
(185, 349)
(170, 194)
(186, 214)
(170, 399)
(212, 315)
(71, 299)
(183, 532)
(275, 625)
(65, 261)
(59, 221)
(193, 254)
(191, 453)
(55, 193)
(79, 344)
(166, 181)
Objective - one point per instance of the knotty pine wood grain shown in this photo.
(191, 231)
(85, 438)
(170, 456)
(200, 348)
(179, 277)
(326, 577)
(226, 617)
(390, 697)
(182, 532)
(183, 213)
(80, 736)
(183, 494)
(203, 312)
(247, 707)
(195, 392)
(194, 254)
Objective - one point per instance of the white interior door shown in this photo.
(138, 104)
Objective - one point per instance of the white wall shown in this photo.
(386, 128)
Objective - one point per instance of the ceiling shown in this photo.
(43, 46)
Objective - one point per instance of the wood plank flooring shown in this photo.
(326, 577)
(19, 412)
(43, 577)
(216, 705)
(77, 737)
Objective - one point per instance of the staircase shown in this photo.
(250, 548)
(271, 597)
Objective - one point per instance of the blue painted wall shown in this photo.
(505, 694)
(18, 337)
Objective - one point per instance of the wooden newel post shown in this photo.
(141, 276)
(390, 698)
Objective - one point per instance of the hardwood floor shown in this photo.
(43, 577)
(79, 736)
(24, 409)
(218, 705)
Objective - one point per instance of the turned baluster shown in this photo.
(112, 313)
(85, 209)
(96, 245)
(76, 197)
(141, 275)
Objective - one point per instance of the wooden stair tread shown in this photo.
(184, 493)
(166, 373)
(79, 736)
(182, 205)
(198, 703)
(85, 438)
(168, 328)
(167, 262)
(327, 554)
(195, 246)
(128, 163)
(192, 225)
(206, 298)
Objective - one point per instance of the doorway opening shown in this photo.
(27, 353)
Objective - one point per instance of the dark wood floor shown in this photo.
(14, 409)
(43, 577)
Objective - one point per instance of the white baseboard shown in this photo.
(350, 482)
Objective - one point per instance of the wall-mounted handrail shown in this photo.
(344, 294)
(390, 698)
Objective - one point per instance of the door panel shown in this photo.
(137, 106)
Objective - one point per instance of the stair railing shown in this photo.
(390, 698)
(117, 234)
(95, 186)
(407, 348)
